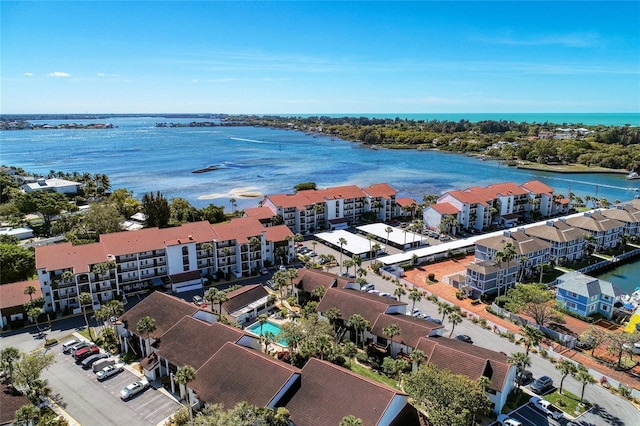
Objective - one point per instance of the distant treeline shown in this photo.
(616, 147)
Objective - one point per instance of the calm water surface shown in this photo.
(142, 158)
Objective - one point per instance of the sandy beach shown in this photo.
(242, 192)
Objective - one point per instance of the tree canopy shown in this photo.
(17, 263)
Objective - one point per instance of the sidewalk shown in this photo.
(448, 293)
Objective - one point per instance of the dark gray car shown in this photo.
(542, 385)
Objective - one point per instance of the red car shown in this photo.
(85, 352)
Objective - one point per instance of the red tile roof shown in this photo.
(445, 208)
(309, 197)
(279, 233)
(240, 229)
(12, 294)
(62, 256)
(259, 212)
(463, 358)
(405, 201)
(382, 190)
(328, 393)
(480, 195)
(537, 187)
(235, 374)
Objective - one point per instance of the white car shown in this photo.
(134, 389)
(109, 370)
(507, 421)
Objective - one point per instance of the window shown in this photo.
(592, 308)
(572, 294)
(605, 307)
(571, 305)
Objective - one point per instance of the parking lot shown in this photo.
(529, 416)
(92, 402)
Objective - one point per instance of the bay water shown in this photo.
(252, 161)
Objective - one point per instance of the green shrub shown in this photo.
(51, 342)
(362, 357)
(129, 357)
(432, 277)
(543, 353)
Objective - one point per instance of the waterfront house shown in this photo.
(567, 242)
(542, 200)
(473, 362)
(61, 186)
(489, 276)
(327, 393)
(310, 210)
(437, 214)
(12, 300)
(586, 295)
(530, 252)
(607, 231)
(406, 207)
(627, 214)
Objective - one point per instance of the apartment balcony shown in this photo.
(127, 267)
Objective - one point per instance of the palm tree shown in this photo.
(454, 319)
(348, 263)
(318, 208)
(350, 420)
(184, 376)
(314, 243)
(291, 275)
(350, 350)
(8, 356)
(319, 292)
(415, 296)
(358, 323)
(233, 204)
(220, 297)
(376, 249)
(146, 326)
(531, 335)
(28, 414)
(370, 237)
(262, 319)
(565, 367)
(507, 254)
(521, 361)
(333, 315)
(388, 230)
(523, 262)
(209, 295)
(342, 241)
(34, 313)
(583, 376)
(391, 331)
(592, 243)
(445, 309)
(30, 290)
(85, 299)
(399, 292)
(417, 357)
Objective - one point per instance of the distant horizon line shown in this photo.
(310, 113)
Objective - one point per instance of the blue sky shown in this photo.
(319, 57)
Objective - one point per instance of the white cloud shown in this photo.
(28, 74)
(59, 74)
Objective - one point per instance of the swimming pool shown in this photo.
(268, 326)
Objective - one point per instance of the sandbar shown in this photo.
(242, 192)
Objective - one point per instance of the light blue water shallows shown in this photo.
(267, 327)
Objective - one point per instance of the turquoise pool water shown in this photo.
(267, 327)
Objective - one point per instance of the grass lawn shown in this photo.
(567, 402)
(370, 374)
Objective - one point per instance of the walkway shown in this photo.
(446, 292)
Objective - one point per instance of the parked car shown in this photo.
(83, 353)
(505, 420)
(88, 362)
(264, 271)
(464, 338)
(542, 384)
(416, 313)
(376, 292)
(66, 346)
(133, 389)
(77, 347)
(282, 268)
(524, 377)
(197, 300)
(108, 371)
(436, 320)
(635, 347)
(368, 287)
(547, 407)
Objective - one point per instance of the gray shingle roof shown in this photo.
(585, 285)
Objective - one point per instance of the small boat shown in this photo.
(633, 175)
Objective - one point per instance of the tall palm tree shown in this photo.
(388, 230)
(184, 376)
(292, 273)
(531, 335)
(507, 254)
(583, 376)
(523, 262)
(370, 237)
(417, 357)
(333, 315)
(565, 367)
(262, 319)
(391, 331)
(233, 204)
(454, 319)
(146, 325)
(30, 290)
(8, 356)
(342, 241)
(445, 309)
(85, 299)
(376, 249)
(415, 296)
(521, 361)
(349, 349)
(34, 313)
(399, 292)
(220, 297)
(358, 323)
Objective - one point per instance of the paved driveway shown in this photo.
(98, 403)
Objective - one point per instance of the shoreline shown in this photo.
(571, 169)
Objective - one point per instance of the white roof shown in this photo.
(355, 243)
(397, 236)
(52, 183)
